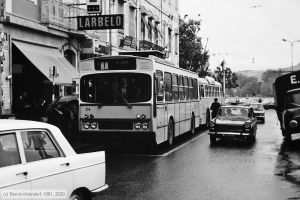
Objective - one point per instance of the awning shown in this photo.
(45, 58)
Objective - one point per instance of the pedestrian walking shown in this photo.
(215, 107)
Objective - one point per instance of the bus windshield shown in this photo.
(115, 88)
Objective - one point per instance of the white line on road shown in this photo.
(182, 145)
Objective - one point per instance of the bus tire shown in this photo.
(193, 127)
(170, 140)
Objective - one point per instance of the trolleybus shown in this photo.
(142, 96)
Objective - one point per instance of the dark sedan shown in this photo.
(234, 122)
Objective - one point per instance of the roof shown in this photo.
(11, 124)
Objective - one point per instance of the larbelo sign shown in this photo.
(98, 22)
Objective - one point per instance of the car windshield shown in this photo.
(258, 107)
(233, 113)
(115, 88)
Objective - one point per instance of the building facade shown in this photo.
(40, 46)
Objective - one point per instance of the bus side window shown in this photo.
(175, 86)
(181, 88)
(195, 88)
(168, 86)
(159, 89)
(186, 88)
(190, 88)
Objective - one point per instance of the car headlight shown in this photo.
(212, 124)
(247, 125)
(293, 123)
(138, 116)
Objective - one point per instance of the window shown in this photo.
(170, 40)
(175, 87)
(156, 34)
(168, 87)
(181, 88)
(186, 88)
(38, 146)
(143, 29)
(195, 88)
(150, 30)
(163, 35)
(132, 22)
(206, 90)
(201, 90)
(9, 151)
(190, 88)
(159, 86)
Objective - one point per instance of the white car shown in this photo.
(36, 159)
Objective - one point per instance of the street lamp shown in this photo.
(292, 48)
(224, 73)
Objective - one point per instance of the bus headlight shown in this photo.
(138, 126)
(145, 126)
(94, 125)
(293, 123)
(86, 125)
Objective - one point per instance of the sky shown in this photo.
(247, 34)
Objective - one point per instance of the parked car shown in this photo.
(35, 156)
(233, 122)
(259, 111)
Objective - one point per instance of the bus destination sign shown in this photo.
(98, 22)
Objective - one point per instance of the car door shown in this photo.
(48, 169)
(13, 172)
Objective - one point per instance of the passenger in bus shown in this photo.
(134, 91)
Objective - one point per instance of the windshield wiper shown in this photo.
(123, 98)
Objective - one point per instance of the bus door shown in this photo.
(161, 109)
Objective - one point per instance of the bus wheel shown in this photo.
(170, 133)
(193, 125)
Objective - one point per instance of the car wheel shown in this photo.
(76, 196)
(193, 125)
(213, 139)
(170, 133)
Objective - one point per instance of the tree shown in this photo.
(230, 77)
(192, 55)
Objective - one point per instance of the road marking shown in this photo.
(183, 145)
(165, 154)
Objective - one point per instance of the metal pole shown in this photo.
(292, 47)
(224, 81)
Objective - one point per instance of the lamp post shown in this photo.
(224, 73)
(292, 48)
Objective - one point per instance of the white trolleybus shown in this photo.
(142, 96)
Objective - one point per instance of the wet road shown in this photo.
(267, 169)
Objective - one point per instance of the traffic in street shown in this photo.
(196, 169)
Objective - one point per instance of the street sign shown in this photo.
(98, 22)
(93, 6)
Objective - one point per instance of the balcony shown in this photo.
(57, 14)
